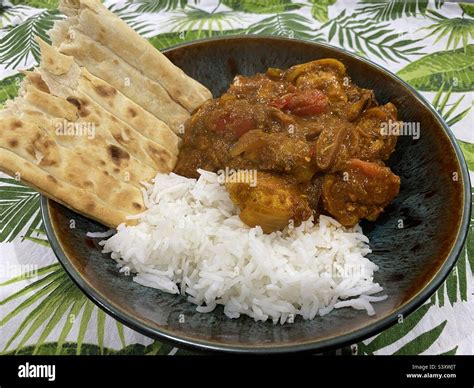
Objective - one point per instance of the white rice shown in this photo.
(190, 241)
(105, 234)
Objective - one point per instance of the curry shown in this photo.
(316, 140)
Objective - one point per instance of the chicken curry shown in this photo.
(315, 139)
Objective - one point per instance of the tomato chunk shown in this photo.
(234, 125)
(369, 169)
(303, 103)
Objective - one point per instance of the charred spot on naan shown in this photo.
(160, 155)
(88, 184)
(117, 154)
(36, 80)
(15, 124)
(132, 112)
(13, 143)
(128, 196)
(105, 90)
(74, 101)
(80, 104)
(90, 207)
(137, 206)
(52, 179)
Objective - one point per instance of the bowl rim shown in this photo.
(319, 345)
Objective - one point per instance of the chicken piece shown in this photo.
(327, 64)
(276, 152)
(259, 88)
(312, 191)
(365, 100)
(326, 75)
(326, 81)
(336, 144)
(328, 145)
(271, 203)
(361, 191)
(377, 129)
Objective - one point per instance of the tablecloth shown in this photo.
(430, 44)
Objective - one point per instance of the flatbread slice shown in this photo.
(92, 18)
(24, 145)
(97, 118)
(68, 195)
(65, 89)
(104, 64)
(98, 149)
(74, 79)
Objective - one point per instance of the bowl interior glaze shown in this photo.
(413, 260)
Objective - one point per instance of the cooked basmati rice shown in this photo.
(191, 241)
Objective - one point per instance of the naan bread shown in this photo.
(98, 118)
(66, 194)
(79, 80)
(98, 174)
(100, 149)
(89, 110)
(28, 150)
(105, 64)
(92, 18)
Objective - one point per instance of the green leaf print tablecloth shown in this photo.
(430, 44)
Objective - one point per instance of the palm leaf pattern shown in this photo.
(195, 19)
(19, 211)
(467, 8)
(289, 25)
(395, 333)
(49, 4)
(71, 348)
(54, 315)
(9, 87)
(383, 10)
(468, 151)
(52, 301)
(262, 6)
(320, 9)
(422, 343)
(167, 39)
(458, 30)
(449, 110)
(18, 45)
(132, 11)
(367, 36)
(150, 6)
(395, 336)
(9, 13)
(451, 67)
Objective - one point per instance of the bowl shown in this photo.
(433, 208)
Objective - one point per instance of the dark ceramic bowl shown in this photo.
(413, 260)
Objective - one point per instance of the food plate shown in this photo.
(433, 208)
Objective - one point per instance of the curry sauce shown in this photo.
(315, 139)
